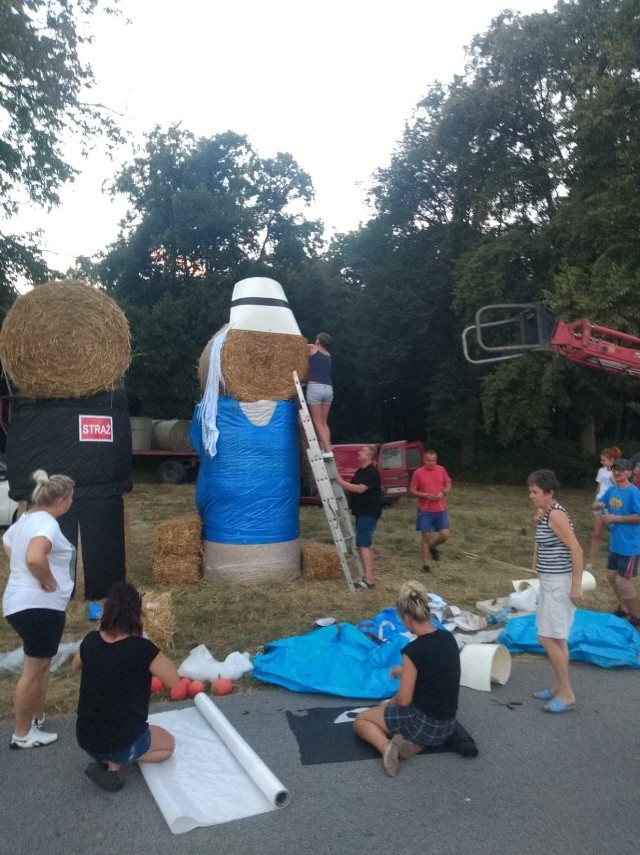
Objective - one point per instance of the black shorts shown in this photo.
(40, 631)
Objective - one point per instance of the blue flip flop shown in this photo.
(544, 695)
(556, 706)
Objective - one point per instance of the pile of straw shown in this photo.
(320, 561)
(158, 619)
(65, 340)
(259, 366)
(177, 554)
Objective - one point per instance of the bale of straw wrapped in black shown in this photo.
(65, 340)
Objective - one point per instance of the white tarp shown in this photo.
(213, 776)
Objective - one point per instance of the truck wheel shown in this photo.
(171, 472)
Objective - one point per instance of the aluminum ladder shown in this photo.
(334, 501)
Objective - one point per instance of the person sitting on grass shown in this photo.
(117, 665)
(423, 710)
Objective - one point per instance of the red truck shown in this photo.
(396, 462)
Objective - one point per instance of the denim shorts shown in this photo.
(129, 754)
(365, 527)
(432, 521)
(319, 393)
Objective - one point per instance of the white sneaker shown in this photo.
(34, 739)
(327, 455)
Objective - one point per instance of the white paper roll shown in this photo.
(213, 776)
(257, 770)
(483, 664)
(588, 583)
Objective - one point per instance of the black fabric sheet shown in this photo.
(45, 434)
(325, 735)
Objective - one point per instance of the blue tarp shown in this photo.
(598, 638)
(249, 492)
(338, 660)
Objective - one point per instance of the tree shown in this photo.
(43, 86)
(203, 214)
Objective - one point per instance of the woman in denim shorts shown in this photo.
(117, 664)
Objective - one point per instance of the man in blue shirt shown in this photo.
(621, 504)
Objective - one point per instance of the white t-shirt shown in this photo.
(603, 480)
(23, 590)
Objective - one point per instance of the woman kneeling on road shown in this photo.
(423, 710)
(117, 665)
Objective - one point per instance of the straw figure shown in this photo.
(65, 347)
(245, 431)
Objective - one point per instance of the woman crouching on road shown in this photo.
(559, 568)
(423, 710)
(117, 665)
(40, 584)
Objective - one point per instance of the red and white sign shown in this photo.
(96, 428)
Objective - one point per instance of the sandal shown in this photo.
(556, 706)
(544, 695)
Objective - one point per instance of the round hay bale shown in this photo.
(181, 536)
(320, 561)
(176, 569)
(171, 434)
(259, 366)
(269, 562)
(65, 340)
(158, 619)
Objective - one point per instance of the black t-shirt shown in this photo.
(368, 503)
(437, 661)
(114, 692)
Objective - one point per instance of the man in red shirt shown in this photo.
(430, 484)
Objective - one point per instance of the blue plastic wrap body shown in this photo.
(249, 492)
(600, 639)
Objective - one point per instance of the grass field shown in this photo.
(491, 522)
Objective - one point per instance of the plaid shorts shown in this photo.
(416, 726)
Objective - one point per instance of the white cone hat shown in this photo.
(260, 304)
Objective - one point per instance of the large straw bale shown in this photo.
(176, 569)
(320, 561)
(179, 536)
(158, 619)
(65, 340)
(259, 366)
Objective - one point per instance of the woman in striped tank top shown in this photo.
(559, 568)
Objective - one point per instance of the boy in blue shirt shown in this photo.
(622, 513)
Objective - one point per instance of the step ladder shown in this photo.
(334, 501)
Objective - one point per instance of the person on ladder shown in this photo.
(366, 506)
(320, 390)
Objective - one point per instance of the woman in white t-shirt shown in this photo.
(40, 584)
(603, 480)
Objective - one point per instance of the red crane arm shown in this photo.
(597, 347)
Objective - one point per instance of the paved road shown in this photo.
(542, 784)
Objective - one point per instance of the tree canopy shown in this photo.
(44, 87)
(517, 181)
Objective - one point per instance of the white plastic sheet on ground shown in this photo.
(213, 776)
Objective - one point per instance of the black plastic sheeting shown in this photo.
(45, 434)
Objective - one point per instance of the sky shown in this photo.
(333, 83)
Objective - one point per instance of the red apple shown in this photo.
(179, 692)
(222, 686)
(156, 685)
(185, 680)
(195, 687)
